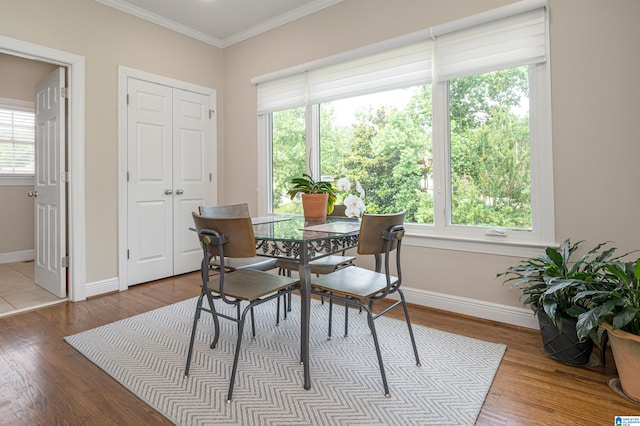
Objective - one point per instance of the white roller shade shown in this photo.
(283, 93)
(400, 67)
(505, 37)
(505, 43)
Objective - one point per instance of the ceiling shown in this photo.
(220, 23)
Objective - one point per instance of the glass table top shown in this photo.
(294, 228)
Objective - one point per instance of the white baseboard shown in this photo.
(100, 287)
(476, 308)
(17, 256)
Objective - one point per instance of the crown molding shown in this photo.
(298, 13)
(291, 16)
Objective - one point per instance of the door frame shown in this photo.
(124, 73)
(75, 65)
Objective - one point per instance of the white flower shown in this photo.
(355, 206)
(359, 188)
(344, 184)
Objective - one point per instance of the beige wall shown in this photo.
(108, 38)
(18, 77)
(594, 63)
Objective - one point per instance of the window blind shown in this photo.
(283, 93)
(506, 43)
(16, 142)
(509, 36)
(401, 67)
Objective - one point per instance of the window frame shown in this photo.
(442, 234)
(7, 179)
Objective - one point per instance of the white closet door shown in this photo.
(150, 181)
(191, 180)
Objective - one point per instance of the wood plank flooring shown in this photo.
(43, 381)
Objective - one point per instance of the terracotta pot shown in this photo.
(626, 353)
(315, 206)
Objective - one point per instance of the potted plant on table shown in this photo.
(616, 307)
(318, 197)
(549, 284)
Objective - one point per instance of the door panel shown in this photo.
(191, 178)
(49, 184)
(149, 191)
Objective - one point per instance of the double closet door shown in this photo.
(168, 177)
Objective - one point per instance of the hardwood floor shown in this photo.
(44, 381)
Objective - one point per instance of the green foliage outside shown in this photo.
(389, 150)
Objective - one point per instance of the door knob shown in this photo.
(168, 192)
(179, 192)
(32, 194)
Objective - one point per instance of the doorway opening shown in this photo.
(74, 64)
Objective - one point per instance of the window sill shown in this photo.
(501, 248)
(16, 180)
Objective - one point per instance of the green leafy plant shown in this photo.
(307, 185)
(616, 300)
(551, 282)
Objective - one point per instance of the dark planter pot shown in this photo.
(564, 347)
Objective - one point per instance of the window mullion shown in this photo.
(441, 168)
(312, 120)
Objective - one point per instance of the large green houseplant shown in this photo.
(319, 190)
(549, 284)
(616, 306)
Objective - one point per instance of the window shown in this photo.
(455, 131)
(16, 142)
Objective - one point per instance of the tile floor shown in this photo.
(18, 292)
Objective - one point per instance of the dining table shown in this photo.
(293, 237)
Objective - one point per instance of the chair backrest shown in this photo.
(238, 232)
(234, 210)
(372, 229)
(338, 210)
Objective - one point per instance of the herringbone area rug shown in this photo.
(146, 354)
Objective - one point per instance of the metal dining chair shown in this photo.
(237, 210)
(381, 236)
(260, 263)
(232, 238)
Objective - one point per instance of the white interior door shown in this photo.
(49, 188)
(191, 174)
(168, 178)
(150, 182)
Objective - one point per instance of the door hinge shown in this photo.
(211, 112)
(127, 254)
(127, 99)
(64, 92)
(127, 176)
(210, 179)
(65, 177)
(65, 262)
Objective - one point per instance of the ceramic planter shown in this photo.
(315, 206)
(626, 353)
(564, 347)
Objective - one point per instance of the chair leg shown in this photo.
(278, 310)
(413, 339)
(372, 327)
(234, 370)
(346, 319)
(196, 319)
(330, 318)
(253, 325)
